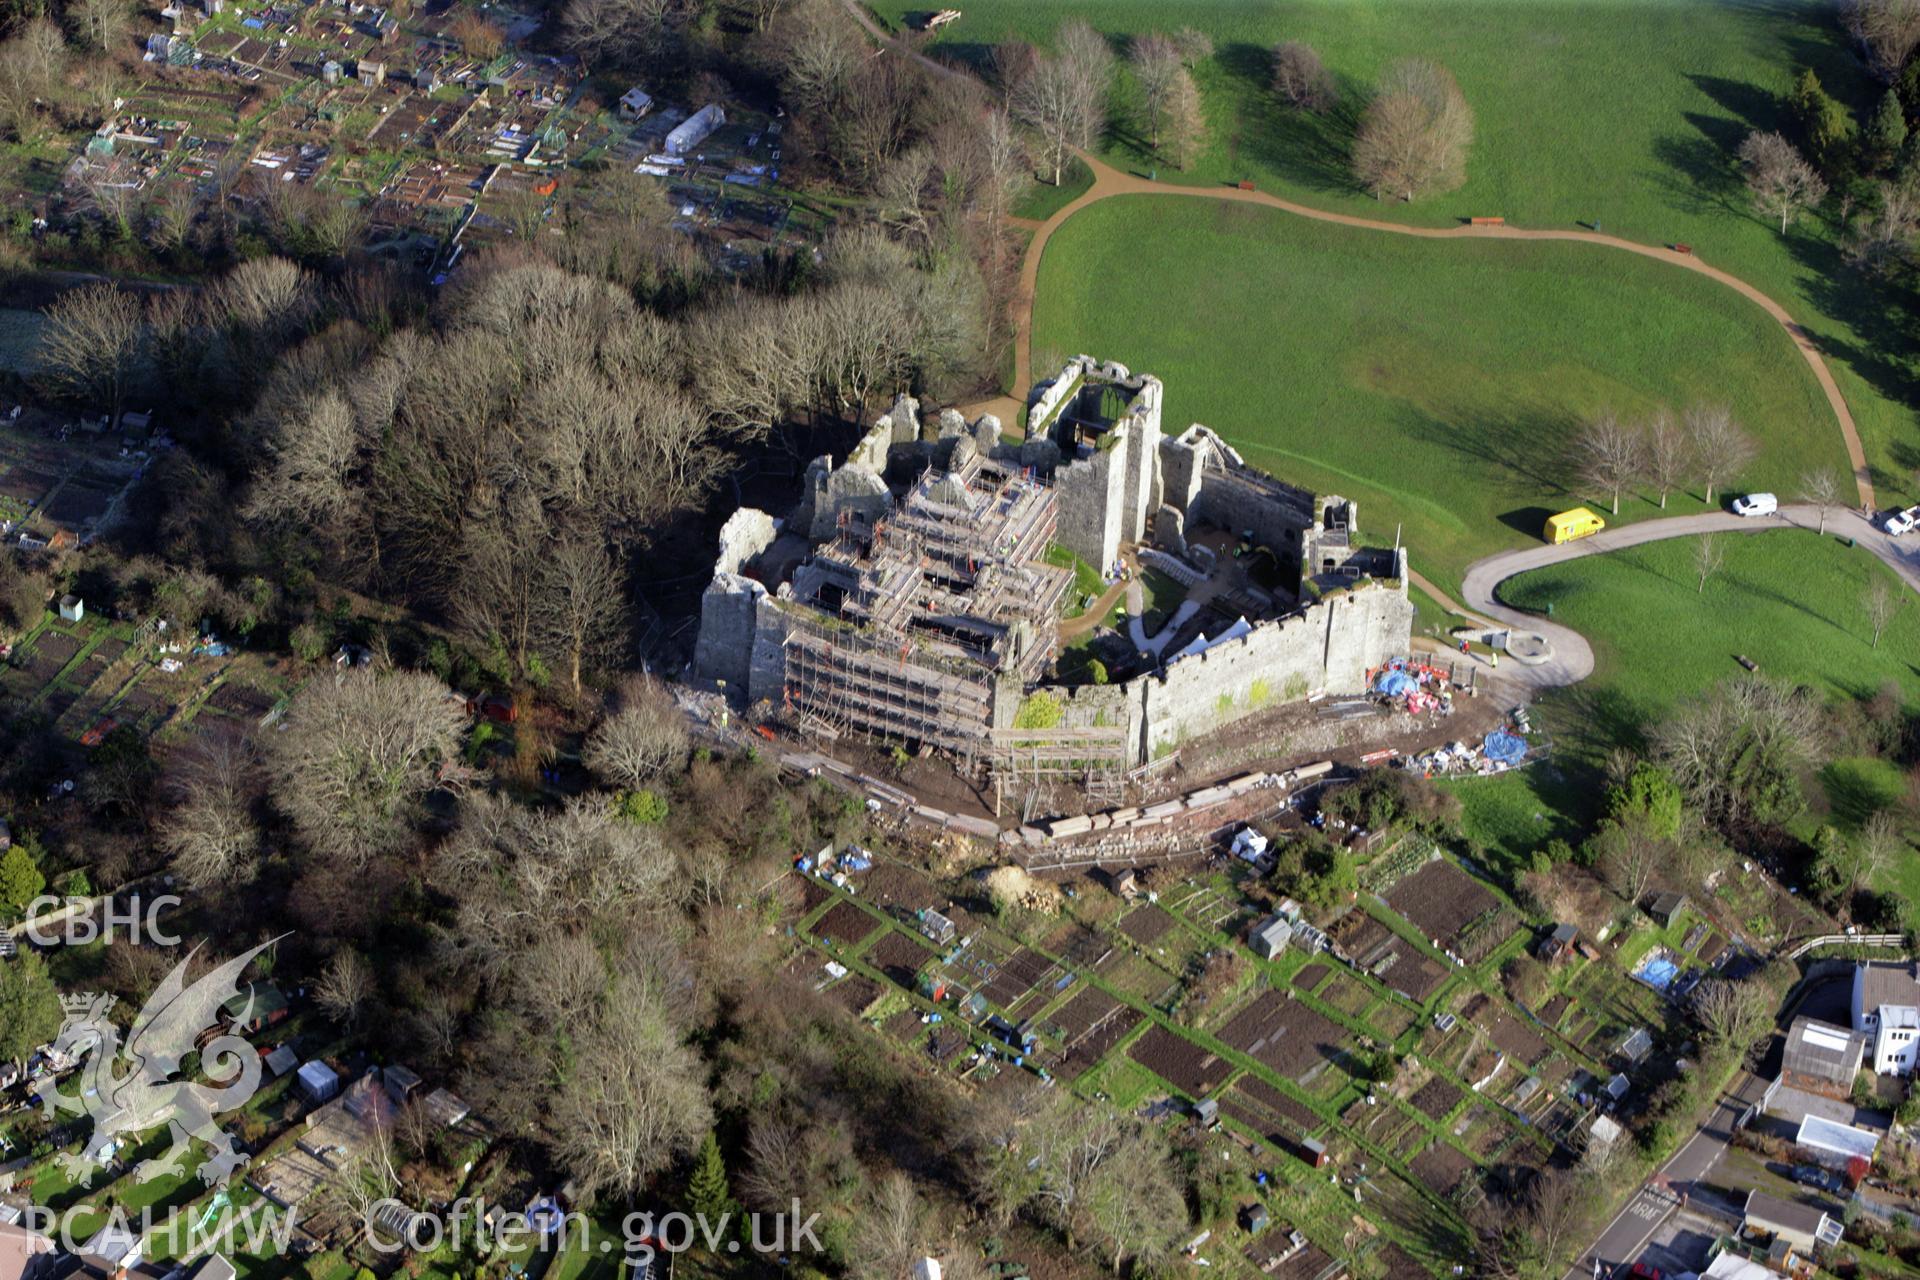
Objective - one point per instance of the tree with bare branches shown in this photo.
(358, 754)
(1883, 242)
(1301, 79)
(1610, 456)
(1782, 184)
(1064, 97)
(635, 1098)
(1668, 452)
(102, 25)
(1414, 135)
(1733, 1014)
(1156, 64)
(1888, 32)
(1819, 488)
(1721, 449)
(1186, 132)
(1880, 603)
(345, 988)
(477, 36)
(210, 831)
(1708, 557)
(94, 345)
(1738, 750)
(641, 740)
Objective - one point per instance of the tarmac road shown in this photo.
(1651, 1206)
(1572, 659)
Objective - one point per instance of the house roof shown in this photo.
(1275, 931)
(1822, 1134)
(1880, 984)
(1823, 1051)
(318, 1076)
(18, 1249)
(215, 1268)
(1771, 1212)
(1666, 903)
(1731, 1266)
(1564, 933)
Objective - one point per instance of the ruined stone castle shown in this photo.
(914, 594)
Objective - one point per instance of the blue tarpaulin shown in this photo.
(1657, 971)
(1394, 683)
(1505, 747)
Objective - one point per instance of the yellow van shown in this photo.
(1568, 525)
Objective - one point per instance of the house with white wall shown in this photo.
(1886, 1008)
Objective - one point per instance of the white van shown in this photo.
(1756, 504)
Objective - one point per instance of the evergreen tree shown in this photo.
(1886, 133)
(29, 1006)
(1823, 122)
(708, 1194)
(1908, 87)
(20, 878)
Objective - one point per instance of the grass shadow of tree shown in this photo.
(1528, 447)
(1311, 149)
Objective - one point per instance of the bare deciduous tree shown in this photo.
(93, 345)
(1064, 97)
(1720, 448)
(634, 1100)
(1738, 750)
(1888, 31)
(1668, 456)
(1186, 132)
(364, 1179)
(1884, 242)
(1708, 556)
(641, 740)
(1880, 603)
(1300, 78)
(1414, 135)
(892, 1233)
(1733, 1014)
(1156, 63)
(476, 36)
(1195, 45)
(344, 989)
(1819, 488)
(1137, 1203)
(358, 754)
(210, 831)
(101, 24)
(1781, 183)
(30, 66)
(1610, 456)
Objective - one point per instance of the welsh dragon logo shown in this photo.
(126, 1104)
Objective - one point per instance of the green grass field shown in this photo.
(1787, 599)
(1434, 382)
(1625, 113)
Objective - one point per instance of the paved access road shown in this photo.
(1643, 1215)
(1573, 657)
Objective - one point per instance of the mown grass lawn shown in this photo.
(1436, 383)
(1788, 599)
(1621, 112)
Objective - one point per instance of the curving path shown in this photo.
(1109, 182)
(1572, 659)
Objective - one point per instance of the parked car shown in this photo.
(1812, 1175)
(1645, 1271)
(1756, 504)
(1903, 521)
